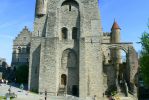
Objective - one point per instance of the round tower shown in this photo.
(41, 7)
(115, 52)
(115, 38)
(115, 33)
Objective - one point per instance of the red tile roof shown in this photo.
(115, 26)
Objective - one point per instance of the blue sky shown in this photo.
(131, 15)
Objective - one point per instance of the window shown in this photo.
(24, 38)
(64, 33)
(74, 33)
(108, 54)
(63, 79)
(19, 49)
(69, 7)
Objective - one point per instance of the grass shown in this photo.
(2, 98)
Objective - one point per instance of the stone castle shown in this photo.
(68, 53)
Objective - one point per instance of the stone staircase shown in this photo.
(61, 91)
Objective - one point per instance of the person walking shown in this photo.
(22, 87)
(45, 94)
(9, 90)
(6, 82)
(2, 81)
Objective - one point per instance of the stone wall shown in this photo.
(34, 64)
(110, 72)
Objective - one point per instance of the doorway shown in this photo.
(75, 90)
(63, 79)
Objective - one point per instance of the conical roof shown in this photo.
(115, 26)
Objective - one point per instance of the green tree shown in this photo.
(144, 59)
(22, 74)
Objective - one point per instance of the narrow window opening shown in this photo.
(38, 33)
(74, 33)
(19, 50)
(69, 7)
(64, 33)
(108, 54)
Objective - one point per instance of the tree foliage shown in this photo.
(144, 59)
(22, 74)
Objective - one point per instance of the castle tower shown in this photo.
(115, 38)
(115, 52)
(115, 33)
(65, 55)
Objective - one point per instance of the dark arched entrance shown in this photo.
(63, 79)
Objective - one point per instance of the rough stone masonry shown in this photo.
(70, 54)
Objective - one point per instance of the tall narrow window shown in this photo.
(69, 7)
(38, 33)
(74, 33)
(19, 50)
(64, 33)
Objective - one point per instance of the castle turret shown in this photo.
(41, 7)
(115, 33)
(115, 38)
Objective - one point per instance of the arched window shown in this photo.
(64, 33)
(74, 33)
(63, 79)
(19, 50)
(69, 59)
